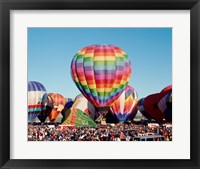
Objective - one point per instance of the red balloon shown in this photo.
(151, 106)
(165, 91)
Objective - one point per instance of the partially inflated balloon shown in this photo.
(68, 100)
(69, 103)
(124, 106)
(78, 96)
(58, 105)
(165, 106)
(83, 104)
(151, 106)
(78, 118)
(101, 73)
(140, 107)
(165, 91)
(169, 97)
(35, 93)
(47, 102)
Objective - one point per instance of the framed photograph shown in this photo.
(89, 84)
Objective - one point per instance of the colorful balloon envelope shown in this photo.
(58, 105)
(35, 93)
(47, 103)
(47, 100)
(68, 100)
(151, 106)
(101, 73)
(78, 96)
(165, 106)
(140, 107)
(78, 118)
(124, 106)
(165, 91)
(69, 103)
(83, 104)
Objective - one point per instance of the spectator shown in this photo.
(119, 132)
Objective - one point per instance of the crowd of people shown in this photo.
(118, 132)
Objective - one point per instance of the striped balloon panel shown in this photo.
(140, 107)
(35, 97)
(47, 100)
(165, 106)
(165, 91)
(54, 114)
(47, 103)
(124, 106)
(35, 93)
(33, 108)
(101, 73)
(35, 86)
(57, 99)
(33, 111)
(58, 105)
(78, 118)
(78, 96)
(83, 104)
(169, 97)
(34, 103)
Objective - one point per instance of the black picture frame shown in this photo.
(7, 5)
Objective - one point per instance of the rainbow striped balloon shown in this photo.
(101, 73)
(124, 106)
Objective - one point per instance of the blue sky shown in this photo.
(50, 51)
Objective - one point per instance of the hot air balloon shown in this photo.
(35, 93)
(78, 118)
(58, 105)
(165, 106)
(69, 103)
(165, 91)
(140, 107)
(47, 103)
(124, 106)
(78, 96)
(83, 104)
(151, 106)
(101, 73)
